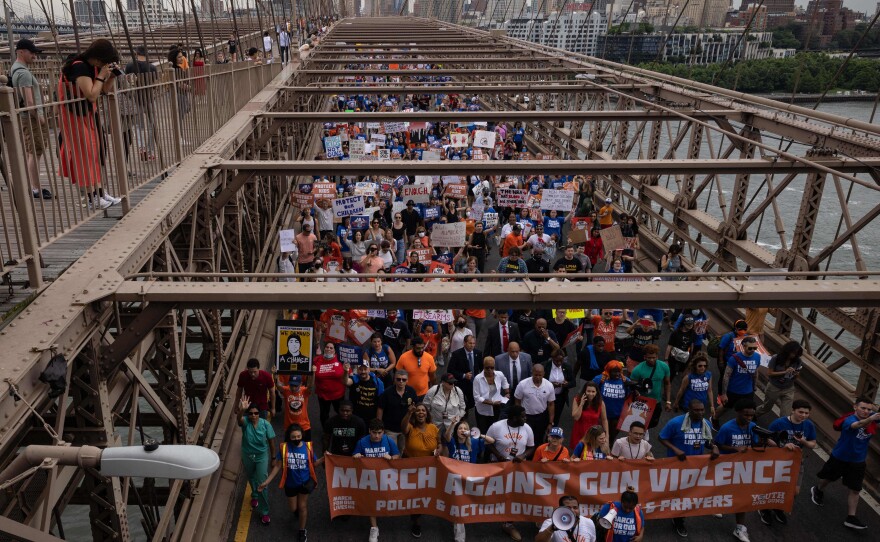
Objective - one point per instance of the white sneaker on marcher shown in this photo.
(458, 532)
(104, 204)
(108, 197)
(374, 534)
(741, 533)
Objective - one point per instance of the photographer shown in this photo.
(801, 435)
(847, 459)
(582, 531)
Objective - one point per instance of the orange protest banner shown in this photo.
(463, 492)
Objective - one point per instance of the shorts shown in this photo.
(852, 473)
(297, 490)
(36, 136)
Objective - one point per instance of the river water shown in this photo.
(76, 520)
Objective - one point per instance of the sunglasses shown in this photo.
(400, 379)
(751, 348)
(253, 413)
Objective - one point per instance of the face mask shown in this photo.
(459, 324)
(295, 443)
(421, 234)
(468, 214)
(695, 312)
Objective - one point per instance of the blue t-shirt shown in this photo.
(725, 345)
(624, 527)
(698, 388)
(742, 381)
(732, 434)
(344, 235)
(553, 225)
(690, 442)
(852, 446)
(297, 464)
(579, 450)
(518, 135)
(460, 451)
(368, 448)
(613, 393)
(379, 360)
(806, 428)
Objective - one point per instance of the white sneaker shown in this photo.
(108, 197)
(104, 204)
(741, 533)
(458, 532)
(374, 534)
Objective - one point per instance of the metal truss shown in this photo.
(157, 318)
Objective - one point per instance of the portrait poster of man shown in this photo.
(294, 346)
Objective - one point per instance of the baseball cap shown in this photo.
(295, 380)
(517, 227)
(27, 45)
(607, 200)
(449, 378)
(556, 432)
(410, 203)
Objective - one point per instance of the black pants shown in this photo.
(285, 55)
(539, 423)
(483, 422)
(324, 405)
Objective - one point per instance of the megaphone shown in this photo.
(563, 519)
(607, 521)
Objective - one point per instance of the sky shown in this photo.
(858, 5)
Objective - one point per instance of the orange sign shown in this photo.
(463, 492)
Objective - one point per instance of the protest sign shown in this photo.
(511, 197)
(558, 200)
(490, 220)
(333, 146)
(365, 188)
(424, 255)
(432, 213)
(398, 182)
(392, 127)
(360, 223)
(324, 190)
(431, 156)
(334, 322)
(464, 492)
(416, 126)
(384, 154)
(456, 191)
(424, 179)
(448, 235)
(419, 193)
(571, 338)
(458, 140)
(636, 410)
(353, 355)
(374, 125)
(357, 149)
(285, 238)
(450, 179)
(386, 190)
(377, 139)
(294, 346)
(300, 200)
(442, 316)
(477, 210)
(571, 314)
(484, 139)
(612, 238)
(359, 332)
(581, 223)
(352, 205)
(376, 313)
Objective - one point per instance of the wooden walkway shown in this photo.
(59, 254)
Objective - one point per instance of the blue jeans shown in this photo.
(400, 249)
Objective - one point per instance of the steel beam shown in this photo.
(500, 72)
(525, 116)
(519, 295)
(523, 87)
(538, 167)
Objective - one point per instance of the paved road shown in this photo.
(808, 522)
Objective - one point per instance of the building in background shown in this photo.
(754, 14)
(828, 17)
(690, 48)
(90, 12)
(575, 31)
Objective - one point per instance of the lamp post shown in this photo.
(183, 462)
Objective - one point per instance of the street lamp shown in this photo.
(178, 461)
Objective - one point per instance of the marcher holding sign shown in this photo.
(484, 139)
(294, 340)
(612, 239)
(556, 200)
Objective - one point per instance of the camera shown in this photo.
(779, 437)
(115, 70)
(638, 387)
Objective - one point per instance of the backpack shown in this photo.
(9, 84)
(713, 348)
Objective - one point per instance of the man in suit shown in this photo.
(507, 364)
(561, 375)
(501, 333)
(465, 363)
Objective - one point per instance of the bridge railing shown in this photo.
(88, 153)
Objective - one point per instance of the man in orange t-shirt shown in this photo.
(513, 239)
(420, 366)
(296, 405)
(605, 326)
(552, 450)
(606, 214)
